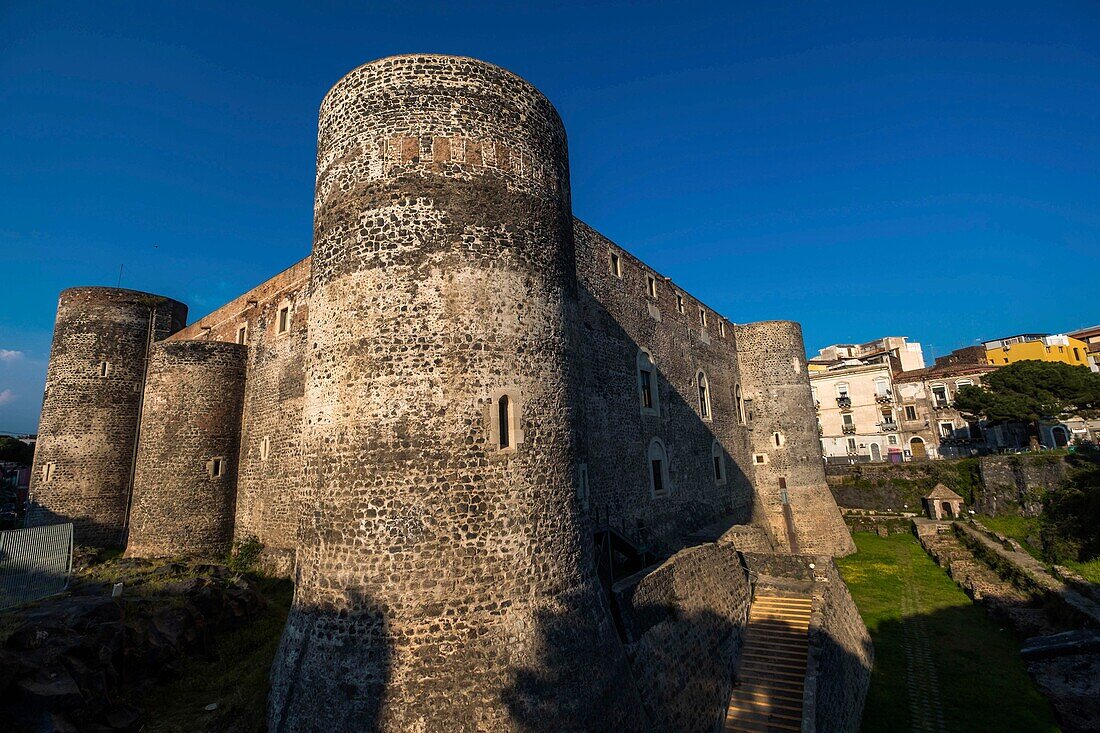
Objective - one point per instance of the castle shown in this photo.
(433, 419)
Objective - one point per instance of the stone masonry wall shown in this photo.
(183, 503)
(1017, 483)
(786, 445)
(845, 656)
(269, 478)
(685, 622)
(442, 582)
(90, 410)
(619, 320)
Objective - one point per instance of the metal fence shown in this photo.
(34, 563)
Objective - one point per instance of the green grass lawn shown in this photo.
(1020, 528)
(236, 679)
(982, 681)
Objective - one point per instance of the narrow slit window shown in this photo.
(284, 319)
(722, 329)
(658, 480)
(265, 448)
(616, 265)
(48, 471)
(505, 432)
(242, 334)
(740, 405)
(702, 318)
(104, 368)
(659, 484)
(582, 485)
(651, 286)
(718, 458)
(647, 384)
(679, 303)
(216, 467)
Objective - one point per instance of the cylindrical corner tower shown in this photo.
(186, 477)
(442, 581)
(84, 458)
(789, 474)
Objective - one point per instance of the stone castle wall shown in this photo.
(84, 456)
(438, 562)
(270, 472)
(186, 474)
(621, 322)
(786, 446)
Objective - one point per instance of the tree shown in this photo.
(15, 451)
(1028, 390)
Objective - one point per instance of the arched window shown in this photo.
(648, 395)
(964, 383)
(704, 396)
(740, 405)
(659, 485)
(718, 459)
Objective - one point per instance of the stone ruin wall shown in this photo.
(786, 444)
(618, 320)
(441, 572)
(89, 419)
(684, 623)
(270, 470)
(191, 417)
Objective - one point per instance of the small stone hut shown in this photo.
(942, 503)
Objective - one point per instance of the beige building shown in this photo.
(896, 351)
(856, 413)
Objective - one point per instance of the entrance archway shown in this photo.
(947, 512)
(916, 447)
(876, 452)
(1061, 439)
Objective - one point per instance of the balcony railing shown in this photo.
(843, 401)
(940, 404)
(888, 426)
(884, 399)
(817, 405)
(848, 429)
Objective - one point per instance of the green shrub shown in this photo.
(245, 554)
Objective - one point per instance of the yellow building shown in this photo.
(1037, 347)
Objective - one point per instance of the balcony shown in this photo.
(884, 399)
(848, 429)
(888, 426)
(817, 405)
(844, 402)
(940, 404)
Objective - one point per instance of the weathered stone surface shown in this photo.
(84, 455)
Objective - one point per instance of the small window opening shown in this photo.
(679, 303)
(651, 286)
(659, 484)
(647, 383)
(616, 265)
(722, 329)
(104, 368)
(779, 439)
(740, 405)
(582, 485)
(216, 467)
(48, 471)
(718, 458)
(284, 319)
(505, 436)
(265, 448)
(242, 334)
(702, 318)
(759, 458)
(783, 497)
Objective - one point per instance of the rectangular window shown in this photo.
(242, 334)
(718, 468)
(679, 303)
(1076, 354)
(217, 467)
(892, 439)
(722, 329)
(947, 430)
(284, 319)
(616, 265)
(104, 368)
(702, 318)
(658, 479)
(647, 388)
(651, 285)
(847, 418)
(851, 445)
(265, 448)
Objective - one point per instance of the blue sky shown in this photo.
(868, 169)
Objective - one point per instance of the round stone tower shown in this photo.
(84, 458)
(185, 483)
(789, 474)
(442, 581)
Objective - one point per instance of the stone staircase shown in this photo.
(767, 693)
